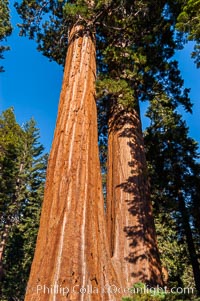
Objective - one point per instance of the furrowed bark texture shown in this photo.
(72, 249)
(131, 230)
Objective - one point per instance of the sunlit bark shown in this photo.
(72, 249)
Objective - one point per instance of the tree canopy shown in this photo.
(188, 22)
(5, 26)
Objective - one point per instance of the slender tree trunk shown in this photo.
(4, 238)
(72, 249)
(190, 241)
(131, 229)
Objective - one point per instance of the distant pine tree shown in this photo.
(174, 170)
(22, 177)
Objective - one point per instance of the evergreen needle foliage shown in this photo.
(5, 26)
(22, 176)
(175, 174)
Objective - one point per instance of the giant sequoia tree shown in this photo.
(137, 66)
(73, 178)
(72, 249)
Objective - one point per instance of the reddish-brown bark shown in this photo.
(72, 249)
(131, 230)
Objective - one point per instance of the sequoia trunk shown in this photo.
(72, 259)
(131, 230)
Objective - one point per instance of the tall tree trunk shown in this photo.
(131, 230)
(189, 240)
(72, 249)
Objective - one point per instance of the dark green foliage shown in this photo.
(116, 88)
(22, 175)
(49, 22)
(135, 56)
(10, 150)
(5, 26)
(174, 172)
(135, 42)
(173, 251)
(135, 60)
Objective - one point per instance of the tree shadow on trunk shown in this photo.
(131, 191)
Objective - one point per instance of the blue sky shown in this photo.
(32, 84)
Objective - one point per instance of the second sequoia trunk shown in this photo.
(131, 230)
(71, 260)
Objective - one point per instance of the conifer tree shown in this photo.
(174, 173)
(22, 182)
(10, 150)
(5, 26)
